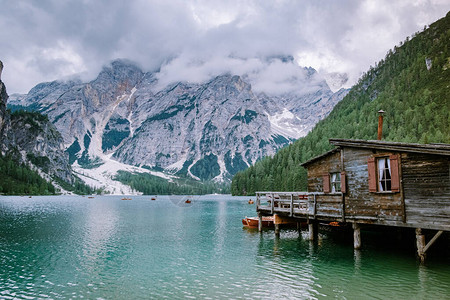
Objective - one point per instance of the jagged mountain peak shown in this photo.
(206, 130)
(120, 69)
(119, 72)
(227, 83)
(281, 57)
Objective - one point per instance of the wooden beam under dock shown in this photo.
(356, 236)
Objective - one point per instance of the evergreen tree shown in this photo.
(416, 101)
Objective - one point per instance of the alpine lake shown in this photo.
(74, 247)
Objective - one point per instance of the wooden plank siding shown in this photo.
(331, 163)
(359, 201)
(426, 186)
(419, 196)
(328, 205)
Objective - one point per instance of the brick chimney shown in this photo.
(380, 124)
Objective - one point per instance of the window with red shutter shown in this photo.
(372, 175)
(395, 180)
(335, 182)
(326, 183)
(384, 174)
(343, 183)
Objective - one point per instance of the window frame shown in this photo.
(335, 183)
(375, 183)
(328, 183)
(384, 174)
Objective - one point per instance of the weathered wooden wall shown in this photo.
(330, 204)
(359, 202)
(426, 187)
(423, 200)
(331, 163)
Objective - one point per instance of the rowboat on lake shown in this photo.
(252, 222)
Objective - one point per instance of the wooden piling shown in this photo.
(277, 230)
(420, 243)
(276, 223)
(260, 222)
(313, 230)
(356, 236)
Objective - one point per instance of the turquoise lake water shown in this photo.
(104, 248)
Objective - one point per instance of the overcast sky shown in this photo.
(194, 39)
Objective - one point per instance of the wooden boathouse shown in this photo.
(370, 182)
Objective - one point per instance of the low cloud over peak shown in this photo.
(194, 40)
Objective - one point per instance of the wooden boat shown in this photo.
(153, 198)
(188, 201)
(250, 201)
(91, 197)
(126, 199)
(253, 222)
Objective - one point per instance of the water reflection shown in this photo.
(107, 248)
(100, 227)
(357, 256)
(220, 226)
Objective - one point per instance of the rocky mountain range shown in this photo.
(32, 139)
(206, 130)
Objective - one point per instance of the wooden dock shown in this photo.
(370, 182)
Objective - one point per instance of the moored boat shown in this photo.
(252, 222)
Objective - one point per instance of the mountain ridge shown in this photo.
(410, 84)
(204, 130)
(32, 150)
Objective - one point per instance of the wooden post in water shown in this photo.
(356, 236)
(260, 222)
(277, 225)
(312, 230)
(420, 242)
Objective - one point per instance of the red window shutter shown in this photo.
(372, 174)
(395, 180)
(326, 183)
(343, 183)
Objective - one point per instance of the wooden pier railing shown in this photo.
(300, 204)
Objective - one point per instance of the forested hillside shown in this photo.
(412, 84)
(21, 180)
(17, 177)
(154, 185)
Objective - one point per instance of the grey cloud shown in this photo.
(194, 40)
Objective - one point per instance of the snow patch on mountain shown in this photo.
(177, 166)
(336, 81)
(205, 130)
(283, 124)
(103, 176)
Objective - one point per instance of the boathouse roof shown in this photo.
(437, 149)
